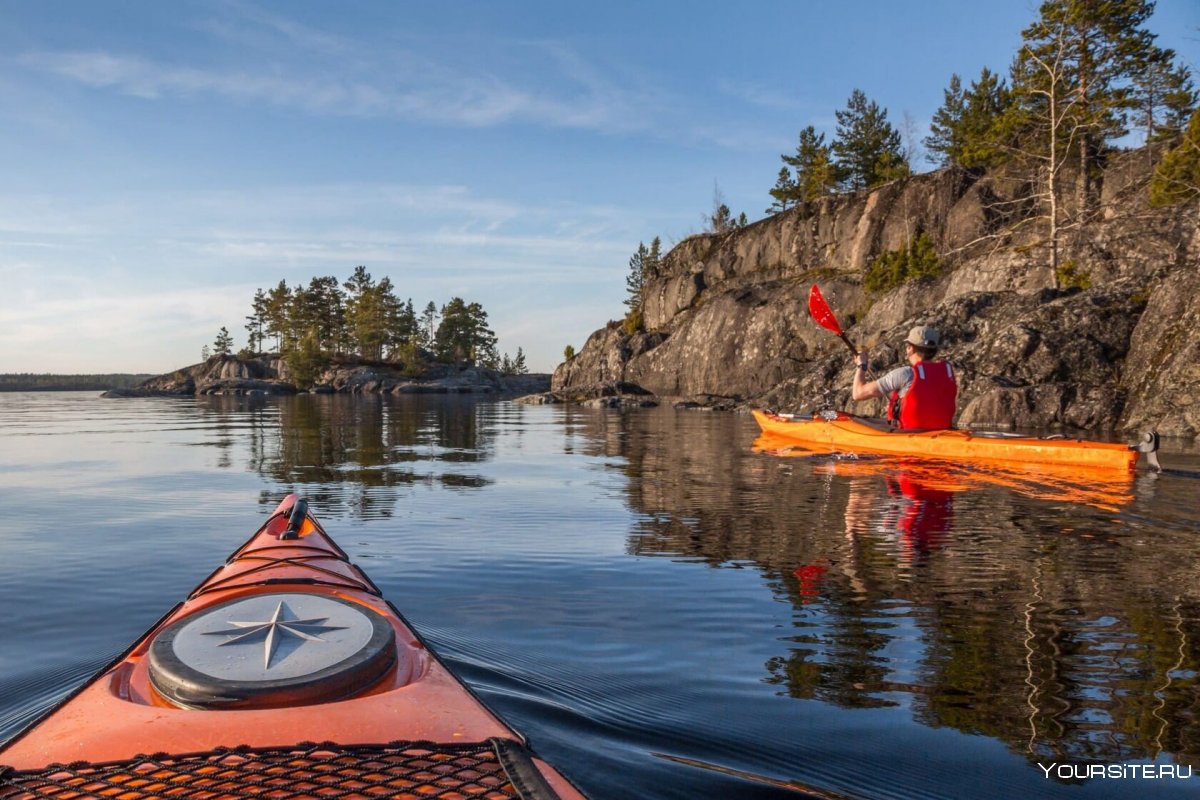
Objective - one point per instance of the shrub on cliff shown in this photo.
(897, 267)
(633, 322)
(412, 359)
(1070, 276)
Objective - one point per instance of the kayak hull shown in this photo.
(404, 693)
(844, 433)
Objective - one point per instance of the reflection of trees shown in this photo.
(358, 452)
(1051, 627)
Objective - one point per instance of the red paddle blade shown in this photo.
(820, 311)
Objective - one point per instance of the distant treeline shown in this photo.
(30, 382)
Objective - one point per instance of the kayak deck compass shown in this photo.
(271, 650)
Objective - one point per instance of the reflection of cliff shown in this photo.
(1042, 623)
(359, 451)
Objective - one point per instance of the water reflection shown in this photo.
(1046, 610)
(1056, 612)
(356, 453)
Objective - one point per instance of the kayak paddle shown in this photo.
(824, 316)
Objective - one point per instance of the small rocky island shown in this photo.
(263, 375)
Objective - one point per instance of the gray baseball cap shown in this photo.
(924, 336)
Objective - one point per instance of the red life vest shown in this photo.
(931, 398)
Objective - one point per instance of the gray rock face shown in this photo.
(220, 375)
(1162, 371)
(728, 322)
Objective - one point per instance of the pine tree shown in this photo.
(1098, 48)
(964, 131)
(784, 193)
(224, 342)
(306, 362)
(986, 102)
(721, 218)
(256, 322)
(326, 312)
(1165, 96)
(518, 363)
(407, 328)
(816, 173)
(867, 146)
(374, 318)
(277, 315)
(429, 318)
(363, 329)
(358, 282)
(635, 280)
(464, 335)
(1177, 177)
(945, 131)
(654, 259)
(391, 315)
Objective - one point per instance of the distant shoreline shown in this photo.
(49, 382)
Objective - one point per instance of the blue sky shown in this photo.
(161, 161)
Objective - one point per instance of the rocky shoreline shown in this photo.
(726, 323)
(261, 376)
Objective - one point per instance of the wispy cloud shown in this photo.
(763, 96)
(436, 235)
(439, 96)
(274, 61)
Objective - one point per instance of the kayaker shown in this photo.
(921, 395)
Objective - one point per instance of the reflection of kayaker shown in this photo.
(927, 513)
(810, 577)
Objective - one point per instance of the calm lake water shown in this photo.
(665, 610)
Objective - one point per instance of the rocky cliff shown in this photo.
(726, 319)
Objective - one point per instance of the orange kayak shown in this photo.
(284, 674)
(839, 432)
(1106, 489)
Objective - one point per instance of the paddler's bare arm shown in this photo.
(862, 388)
